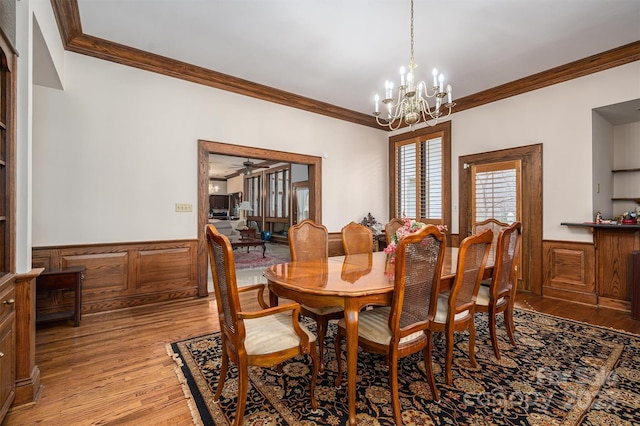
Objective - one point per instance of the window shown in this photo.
(7, 108)
(420, 163)
(278, 202)
(496, 188)
(253, 194)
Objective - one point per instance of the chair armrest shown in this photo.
(295, 314)
(260, 288)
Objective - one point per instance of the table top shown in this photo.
(352, 275)
(68, 270)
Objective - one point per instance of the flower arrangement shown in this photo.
(628, 218)
(409, 227)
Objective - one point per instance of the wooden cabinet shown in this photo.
(595, 273)
(7, 347)
(614, 245)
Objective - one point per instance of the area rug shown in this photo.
(562, 372)
(254, 259)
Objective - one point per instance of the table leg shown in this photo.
(273, 299)
(264, 249)
(351, 319)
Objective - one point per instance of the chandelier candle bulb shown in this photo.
(401, 76)
(441, 78)
(449, 97)
(377, 99)
(435, 77)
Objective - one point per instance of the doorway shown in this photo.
(205, 148)
(528, 161)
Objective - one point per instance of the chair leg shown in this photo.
(338, 343)
(428, 367)
(243, 387)
(322, 331)
(223, 374)
(449, 357)
(508, 321)
(493, 333)
(393, 382)
(472, 344)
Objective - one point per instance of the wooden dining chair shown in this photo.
(356, 239)
(500, 295)
(391, 228)
(402, 328)
(495, 226)
(309, 241)
(262, 338)
(456, 307)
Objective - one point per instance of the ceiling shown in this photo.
(342, 51)
(223, 167)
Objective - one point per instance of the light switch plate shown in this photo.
(184, 207)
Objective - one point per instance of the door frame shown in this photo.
(209, 147)
(531, 157)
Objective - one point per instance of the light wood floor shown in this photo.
(114, 368)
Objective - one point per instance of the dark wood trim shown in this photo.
(531, 157)
(599, 62)
(206, 147)
(569, 271)
(27, 372)
(444, 129)
(68, 18)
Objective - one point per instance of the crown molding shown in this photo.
(68, 18)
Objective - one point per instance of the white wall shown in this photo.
(117, 149)
(559, 117)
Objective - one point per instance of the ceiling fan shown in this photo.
(248, 167)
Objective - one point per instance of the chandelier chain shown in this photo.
(411, 64)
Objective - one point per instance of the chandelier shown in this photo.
(411, 104)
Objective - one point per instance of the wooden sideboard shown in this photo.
(597, 273)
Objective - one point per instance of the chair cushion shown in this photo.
(484, 295)
(373, 325)
(324, 310)
(272, 333)
(443, 310)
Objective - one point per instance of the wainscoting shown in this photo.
(595, 273)
(569, 271)
(122, 275)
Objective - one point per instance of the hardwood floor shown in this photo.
(114, 368)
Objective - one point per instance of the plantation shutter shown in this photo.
(495, 191)
(422, 195)
(406, 182)
(431, 179)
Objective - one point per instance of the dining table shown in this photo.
(352, 282)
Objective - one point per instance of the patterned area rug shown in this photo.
(254, 259)
(561, 373)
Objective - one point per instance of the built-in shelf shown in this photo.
(625, 170)
(636, 199)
